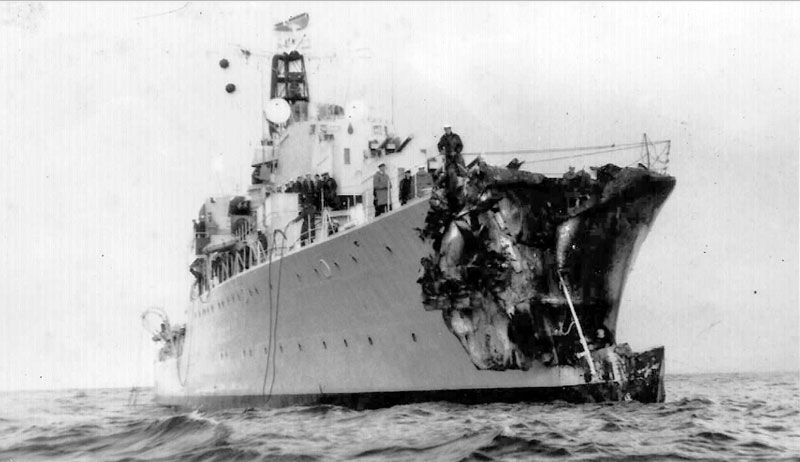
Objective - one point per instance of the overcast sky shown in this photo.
(115, 126)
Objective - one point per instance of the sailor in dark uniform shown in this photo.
(450, 145)
(329, 192)
(454, 168)
(405, 188)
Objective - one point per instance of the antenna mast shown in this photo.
(392, 70)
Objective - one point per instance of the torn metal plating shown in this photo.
(500, 239)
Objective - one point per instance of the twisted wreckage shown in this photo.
(524, 264)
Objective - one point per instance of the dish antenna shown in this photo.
(278, 111)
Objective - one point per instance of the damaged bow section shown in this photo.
(503, 240)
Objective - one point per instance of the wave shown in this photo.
(727, 421)
(447, 448)
(715, 436)
(504, 446)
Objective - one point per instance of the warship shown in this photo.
(482, 281)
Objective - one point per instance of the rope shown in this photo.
(594, 153)
(269, 286)
(569, 328)
(274, 333)
(186, 345)
(273, 326)
(580, 148)
(596, 150)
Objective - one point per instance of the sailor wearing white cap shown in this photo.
(450, 145)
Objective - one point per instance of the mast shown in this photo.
(289, 78)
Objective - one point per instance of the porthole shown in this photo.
(324, 345)
(370, 340)
(413, 336)
(345, 343)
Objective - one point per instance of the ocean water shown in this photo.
(706, 417)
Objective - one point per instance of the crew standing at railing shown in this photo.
(329, 192)
(380, 190)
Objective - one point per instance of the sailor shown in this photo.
(307, 215)
(601, 340)
(450, 145)
(380, 190)
(405, 188)
(605, 357)
(309, 189)
(318, 189)
(329, 191)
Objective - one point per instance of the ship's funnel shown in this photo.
(278, 111)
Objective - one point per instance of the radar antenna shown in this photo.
(293, 25)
